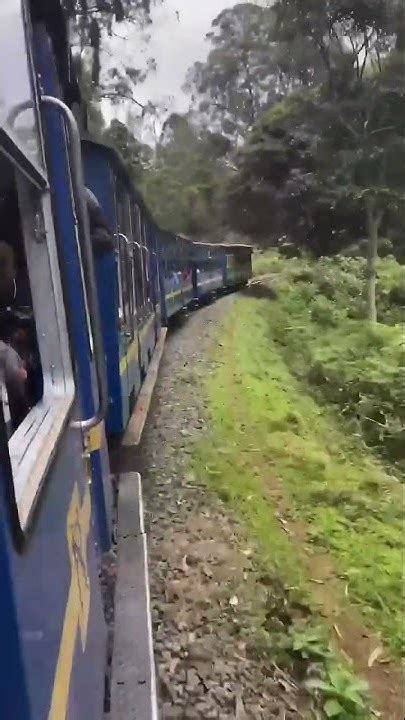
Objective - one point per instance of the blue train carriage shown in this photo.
(127, 281)
(53, 631)
(238, 265)
(208, 270)
(175, 271)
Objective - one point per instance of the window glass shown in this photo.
(21, 380)
(17, 110)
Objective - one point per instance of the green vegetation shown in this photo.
(357, 367)
(184, 184)
(268, 437)
(279, 458)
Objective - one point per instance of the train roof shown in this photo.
(235, 246)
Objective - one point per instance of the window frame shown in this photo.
(138, 260)
(124, 260)
(34, 443)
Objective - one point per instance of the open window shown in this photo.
(124, 249)
(124, 282)
(145, 261)
(36, 384)
(137, 258)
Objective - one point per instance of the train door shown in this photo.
(139, 263)
(150, 331)
(126, 237)
(126, 309)
(47, 547)
(155, 279)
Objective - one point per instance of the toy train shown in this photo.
(151, 276)
(85, 325)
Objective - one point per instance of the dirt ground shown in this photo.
(206, 593)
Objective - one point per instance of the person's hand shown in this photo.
(21, 375)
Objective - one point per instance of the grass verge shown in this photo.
(264, 427)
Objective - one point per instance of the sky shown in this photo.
(177, 40)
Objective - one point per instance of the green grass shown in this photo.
(265, 425)
(264, 263)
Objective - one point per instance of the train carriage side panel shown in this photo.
(129, 316)
(207, 269)
(99, 178)
(187, 290)
(64, 213)
(238, 265)
(147, 331)
(172, 275)
(61, 622)
(161, 261)
(155, 276)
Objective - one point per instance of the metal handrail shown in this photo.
(85, 257)
(128, 242)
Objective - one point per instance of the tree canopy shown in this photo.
(92, 22)
(241, 76)
(327, 165)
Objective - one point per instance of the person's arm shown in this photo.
(12, 366)
(101, 237)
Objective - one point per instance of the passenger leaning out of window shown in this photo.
(101, 237)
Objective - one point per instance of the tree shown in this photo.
(135, 155)
(348, 35)
(328, 164)
(91, 97)
(325, 170)
(184, 185)
(240, 77)
(365, 134)
(92, 21)
(277, 155)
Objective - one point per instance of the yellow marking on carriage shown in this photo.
(173, 294)
(133, 351)
(94, 438)
(78, 602)
(123, 365)
(147, 325)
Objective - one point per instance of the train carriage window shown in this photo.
(125, 280)
(124, 283)
(121, 309)
(21, 372)
(137, 259)
(145, 260)
(36, 384)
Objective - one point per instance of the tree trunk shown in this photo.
(373, 223)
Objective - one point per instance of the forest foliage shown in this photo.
(294, 136)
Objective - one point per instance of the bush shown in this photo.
(353, 365)
(323, 312)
